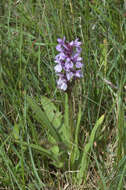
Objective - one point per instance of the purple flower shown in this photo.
(69, 63)
(59, 48)
(58, 68)
(78, 50)
(79, 65)
(69, 75)
(62, 84)
(78, 74)
(61, 41)
(59, 57)
(77, 43)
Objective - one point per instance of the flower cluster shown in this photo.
(69, 63)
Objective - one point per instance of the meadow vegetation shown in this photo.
(38, 148)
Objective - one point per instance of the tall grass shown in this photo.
(36, 148)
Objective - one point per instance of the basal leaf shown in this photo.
(42, 118)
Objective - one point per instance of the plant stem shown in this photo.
(71, 119)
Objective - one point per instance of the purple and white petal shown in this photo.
(68, 59)
(62, 84)
(79, 65)
(59, 48)
(68, 65)
(79, 58)
(78, 50)
(60, 56)
(69, 75)
(78, 74)
(71, 43)
(76, 57)
(58, 68)
(77, 43)
(61, 41)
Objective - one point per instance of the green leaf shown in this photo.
(43, 151)
(56, 118)
(42, 118)
(84, 162)
(15, 131)
(48, 120)
(54, 148)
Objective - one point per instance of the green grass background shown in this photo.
(28, 36)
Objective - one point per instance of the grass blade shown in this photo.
(84, 162)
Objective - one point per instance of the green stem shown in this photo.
(71, 122)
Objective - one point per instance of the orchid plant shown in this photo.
(68, 68)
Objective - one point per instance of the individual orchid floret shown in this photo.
(62, 83)
(77, 43)
(61, 41)
(69, 62)
(58, 68)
